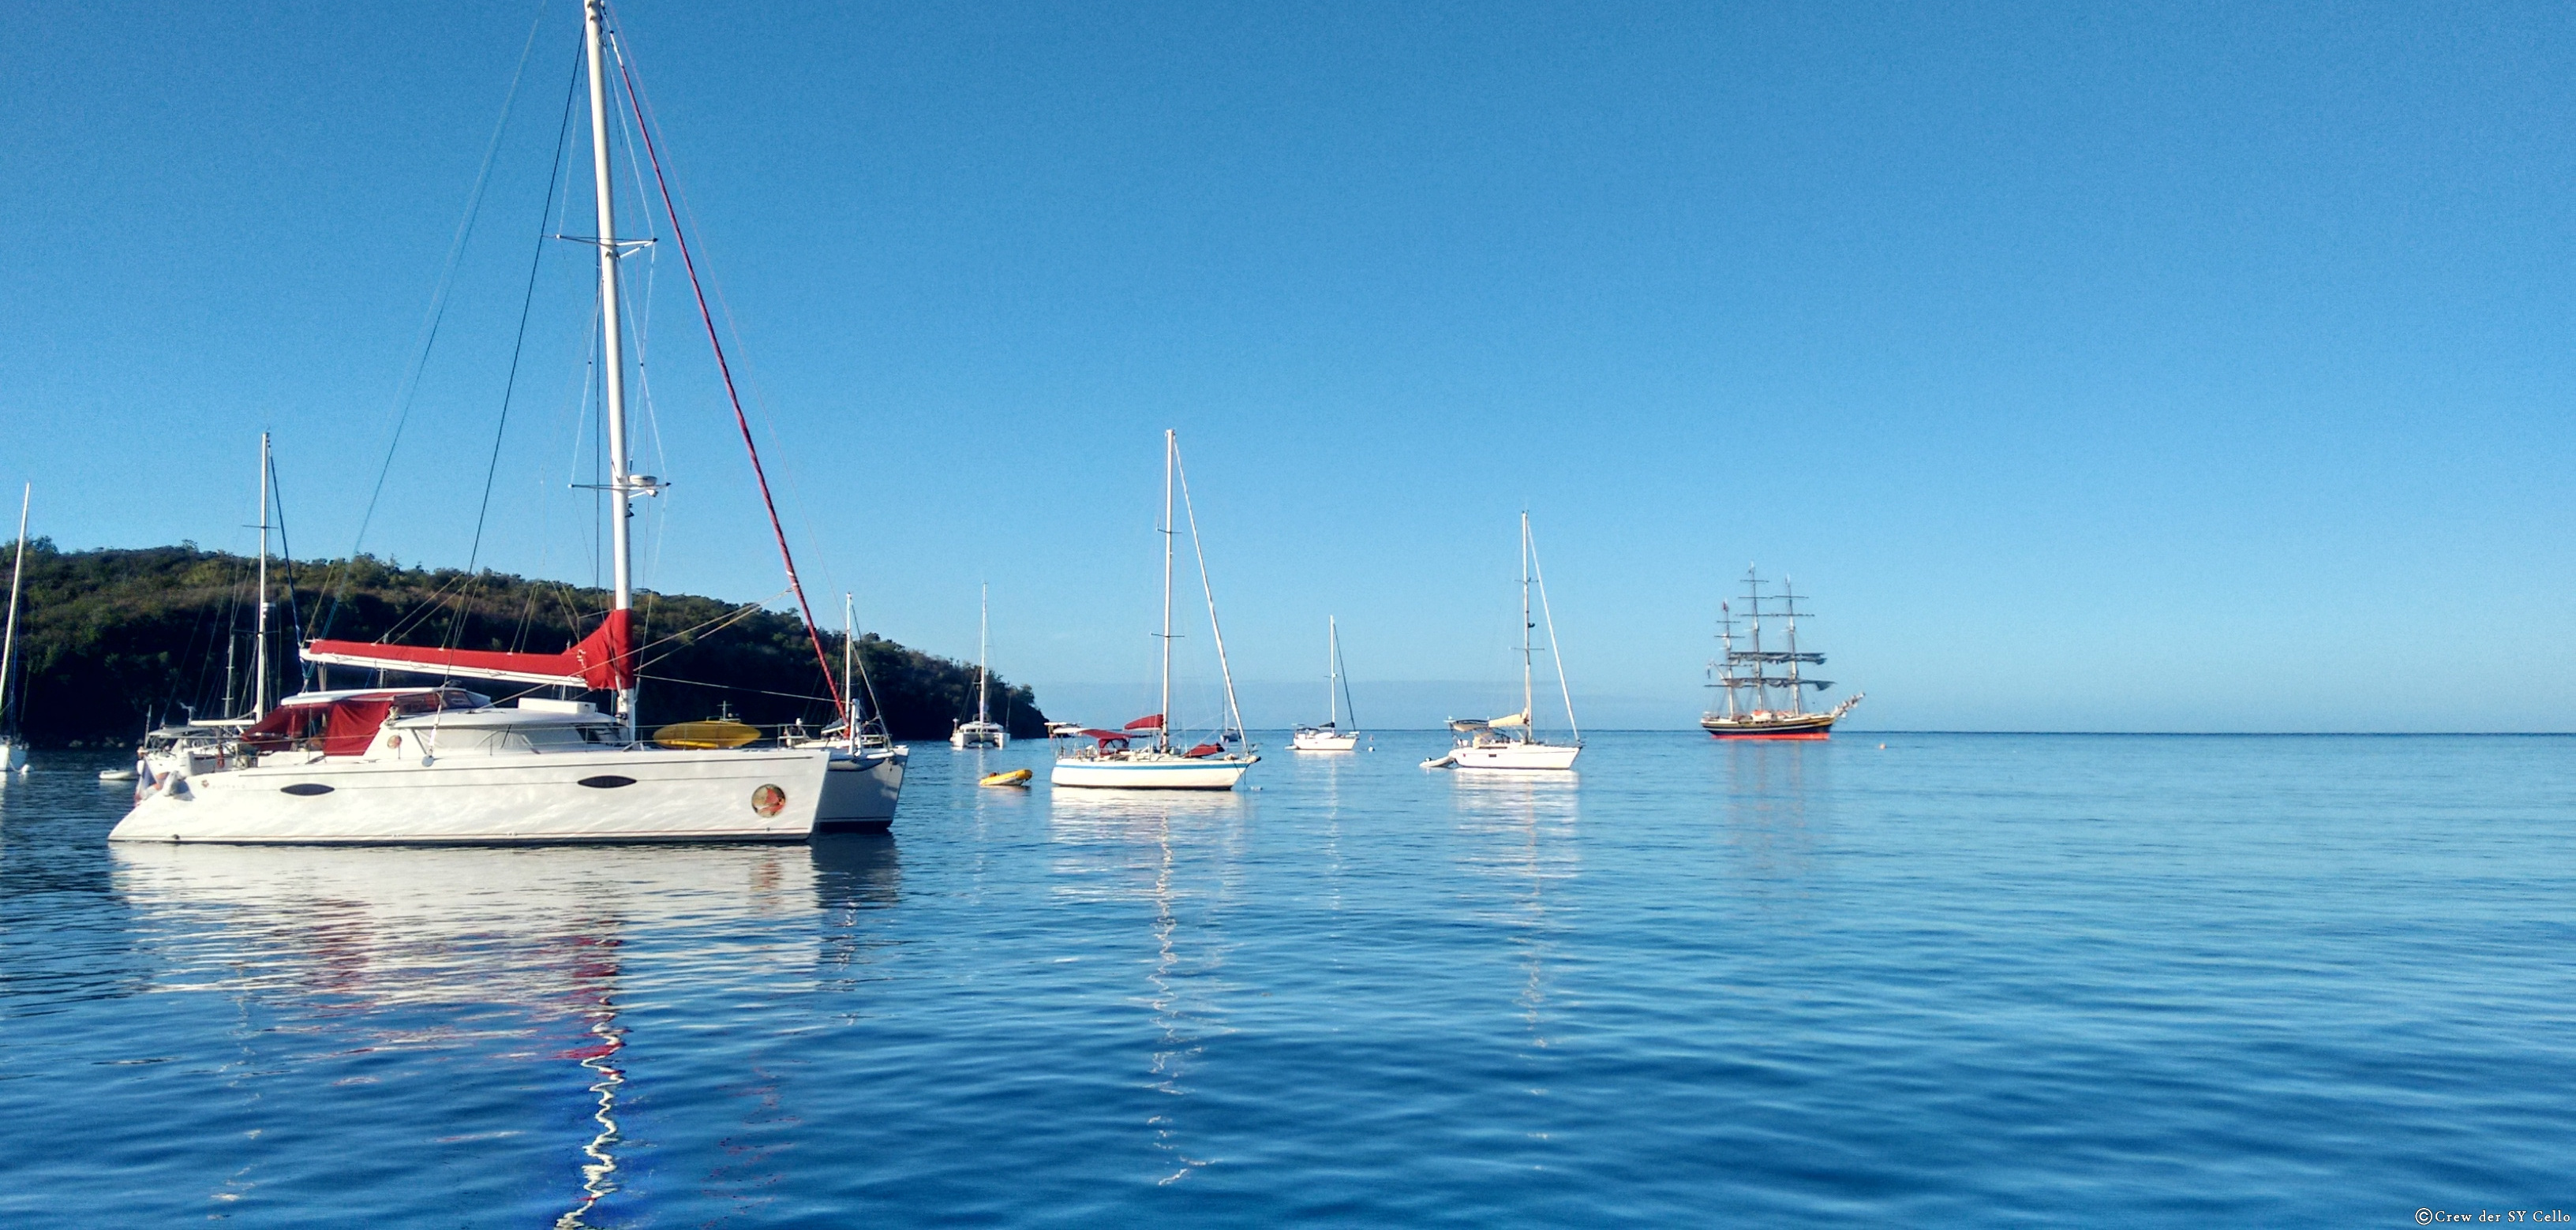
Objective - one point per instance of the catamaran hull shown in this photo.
(1172, 775)
(860, 796)
(787, 794)
(1323, 743)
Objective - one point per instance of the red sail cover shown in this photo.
(1151, 721)
(604, 659)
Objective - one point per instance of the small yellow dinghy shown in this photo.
(1016, 777)
(705, 736)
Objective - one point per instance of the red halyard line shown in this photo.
(644, 129)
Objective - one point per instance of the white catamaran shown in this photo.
(1510, 742)
(441, 764)
(1330, 737)
(13, 745)
(983, 731)
(1112, 760)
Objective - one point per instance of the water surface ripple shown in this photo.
(1962, 979)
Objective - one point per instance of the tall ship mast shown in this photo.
(1764, 687)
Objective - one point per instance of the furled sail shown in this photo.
(604, 659)
(1510, 720)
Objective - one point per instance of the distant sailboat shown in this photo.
(13, 745)
(1510, 742)
(983, 731)
(1113, 760)
(1750, 712)
(1330, 737)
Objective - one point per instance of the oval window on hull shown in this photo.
(305, 788)
(605, 781)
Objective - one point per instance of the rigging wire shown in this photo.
(1200, 550)
(410, 387)
(680, 237)
(510, 385)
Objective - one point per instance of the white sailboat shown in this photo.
(1510, 742)
(983, 731)
(1330, 737)
(13, 745)
(441, 764)
(1113, 760)
(862, 735)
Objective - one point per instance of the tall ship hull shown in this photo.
(1771, 726)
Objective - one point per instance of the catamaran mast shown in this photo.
(983, 646)
(259, 624)
(612, 361)
(9, 639)
(1163, 736)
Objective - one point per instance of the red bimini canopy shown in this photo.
(344, 723)
(1105, 736)
(604, 659)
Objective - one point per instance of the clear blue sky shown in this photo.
(2145, 367)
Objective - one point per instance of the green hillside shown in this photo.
(112, 639)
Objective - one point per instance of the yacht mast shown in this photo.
(1163, 736)
(1333, 673)
(849, 649)
(9, 639)
(612, 363)
(983, 646)
(259, 646)
(1529, 706)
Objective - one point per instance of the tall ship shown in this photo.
(1764, 686)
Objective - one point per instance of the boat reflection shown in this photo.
(1178, 855)
(1527, 839)
(1767, 790)
(364, 943)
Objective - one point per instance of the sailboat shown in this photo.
(443, 765)
(1510, 742)
(862, 734)
(1751, 713)
(1330, 737)
(1113, 760)
(983, 731)
(205, 743)
(13, 745)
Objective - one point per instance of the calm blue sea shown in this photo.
(1957, 980)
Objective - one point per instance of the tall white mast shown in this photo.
(849, 649)
(612, 359)
(1333, 673)
(1529, 704)
(983, 643)
(1163, 737)
(9, 639)
(259, 625)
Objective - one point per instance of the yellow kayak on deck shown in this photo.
(1016, 777)
(705, 736)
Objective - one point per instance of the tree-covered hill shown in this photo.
(113, 639)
